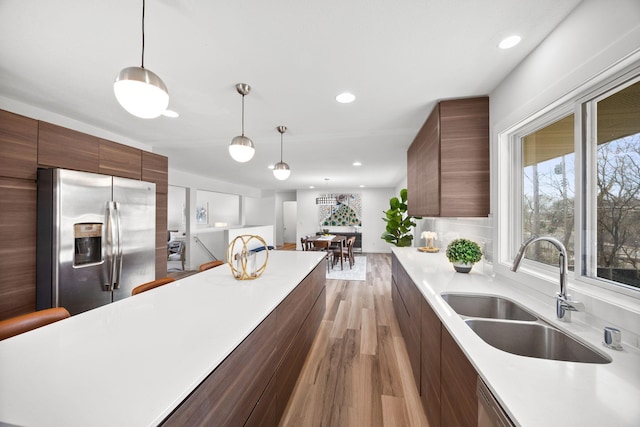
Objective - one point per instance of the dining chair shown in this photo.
(26, 322)
(210, 264)
(344, 251)
(151, 285)
(306, 245)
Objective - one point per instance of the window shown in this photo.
(603, 167)
(617, 201)
(548, 193)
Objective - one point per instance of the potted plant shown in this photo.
(463, 253)
(399, 223)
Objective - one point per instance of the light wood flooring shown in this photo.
(357, 372)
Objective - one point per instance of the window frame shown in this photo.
(582, 103)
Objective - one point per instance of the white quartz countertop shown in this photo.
(535, 392)
(132, 362)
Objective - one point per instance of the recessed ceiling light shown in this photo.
(170, 113)
(509, 42)
(271, 166)
(345, 98)
(357, 163)
(311, 186)
(362, 186)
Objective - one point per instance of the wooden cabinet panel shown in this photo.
(410, 328)
(19, 146)
(229, 394)
(120, 160)
(264, 414)
(18, 199)
(294, 359)
(448, 161)
(430, 334)
(161, 234)
(69, 149)
(410, 297)
(291, 312)
(459, 404)
(155, 168)
(423, 169)
(465, 178)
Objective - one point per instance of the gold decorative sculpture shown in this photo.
(245, 260)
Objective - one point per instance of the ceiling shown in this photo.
(397, 57)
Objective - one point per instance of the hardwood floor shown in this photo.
(357, 372)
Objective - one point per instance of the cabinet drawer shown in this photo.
(229, 394)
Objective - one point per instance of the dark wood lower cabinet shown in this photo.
(430, 336)
(252, 386)
(265, 412)
(292, 363)
(229, 394)
(444, 376)
(406, 301)
(459, 403)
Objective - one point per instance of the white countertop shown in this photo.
(535, 392)
(132, 362)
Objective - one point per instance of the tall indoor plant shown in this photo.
(399, 222)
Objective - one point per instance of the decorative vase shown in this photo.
(462, 267)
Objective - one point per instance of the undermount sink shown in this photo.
(487, 306)
(508, 326)
(535, 340)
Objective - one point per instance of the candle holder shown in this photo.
(245, 260)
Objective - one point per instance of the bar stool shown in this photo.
(150, 285)
(210, 264)
(26, 322)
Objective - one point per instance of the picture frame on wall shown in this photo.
(202, 214)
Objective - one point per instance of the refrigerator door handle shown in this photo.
(118, 255)
(110, 247)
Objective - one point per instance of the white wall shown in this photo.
(176, 208)
(374, 202)
(598, 39)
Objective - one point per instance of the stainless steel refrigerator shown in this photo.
(95, 239)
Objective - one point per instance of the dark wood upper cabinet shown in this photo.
(120, 160)
(155, 169)
(448, 161)
(64, 148)
(19, 145)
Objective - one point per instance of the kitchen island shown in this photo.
(142, 360)
(532, 391)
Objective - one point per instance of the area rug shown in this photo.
(357, 272)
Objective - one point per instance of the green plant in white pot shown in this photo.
(463, 253)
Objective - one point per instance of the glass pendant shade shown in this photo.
(241, 149)
(281, 171)
(141, 92)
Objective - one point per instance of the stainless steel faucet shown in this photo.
(564, 304)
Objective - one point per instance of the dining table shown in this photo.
(325, 241)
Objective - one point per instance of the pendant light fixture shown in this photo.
(241, 147)
(281, 170)
(326, 199)
(140, 91)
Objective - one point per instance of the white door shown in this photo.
(289, 217)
